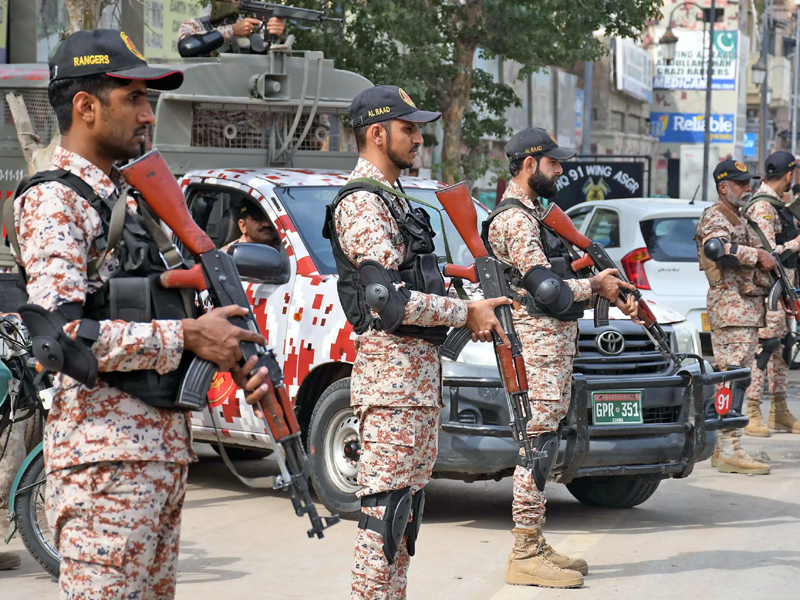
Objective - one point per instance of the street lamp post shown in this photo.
(669, 42)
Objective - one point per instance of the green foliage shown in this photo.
(423, 45)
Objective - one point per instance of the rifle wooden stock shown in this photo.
(457, 202)
(557, 220)
(184, 279)
(467, 273)
(584, 262)
(151, 176)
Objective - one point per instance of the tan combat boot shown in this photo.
(756, 427)
(527, 564)
(734, 459)
(780, 418)
(565, 562)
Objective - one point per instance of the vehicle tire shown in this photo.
(332, 438)
(613, 492)
(237, 453)
(31, 520)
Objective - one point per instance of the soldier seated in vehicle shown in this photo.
(256, 228)
(232, 26)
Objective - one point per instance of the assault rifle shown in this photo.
(264, 11)
(216, 271)
(596, 257)
(489, 272)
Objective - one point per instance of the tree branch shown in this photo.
(37, 156)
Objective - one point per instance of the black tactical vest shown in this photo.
(789, 228)
(419, 270)
(132, 293)
(557, 254)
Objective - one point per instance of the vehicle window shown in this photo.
(306, 207)
(604, 228)
(671, 239)
(216, 210)
(579, 216)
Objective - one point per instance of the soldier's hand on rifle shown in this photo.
(276, 26)
(630, 308)
(246, 27)
(481, 320)
(214, 338)
(766, 262)
(607, 284)
(255, 387)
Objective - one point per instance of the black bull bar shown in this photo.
(694, 420)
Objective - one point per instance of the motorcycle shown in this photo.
(26, 393)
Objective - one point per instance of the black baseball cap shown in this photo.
(535, 140)
(732, 170)
(250, 209)
(779, 162)
(386, 102)
(109, 52)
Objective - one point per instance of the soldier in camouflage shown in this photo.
(768, 213)
(116, 465)
(548, 333)
(396, 383)
(735, 267)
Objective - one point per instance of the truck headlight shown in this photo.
(687, 338)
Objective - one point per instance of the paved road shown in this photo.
(709, 536)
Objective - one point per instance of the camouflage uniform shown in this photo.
(116, 467)
(735, 299)
(548, 344)
(778, 323)
(396, 387)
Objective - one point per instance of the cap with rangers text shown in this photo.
(779, 162)
(108, 52)
(732, 170)
(386, 102)
(533, 141)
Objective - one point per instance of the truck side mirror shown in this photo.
(258, 263)
(200, 44)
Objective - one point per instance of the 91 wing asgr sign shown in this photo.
(589, 181)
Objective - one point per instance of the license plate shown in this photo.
(706, 324)
(617, 408)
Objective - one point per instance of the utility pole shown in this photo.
(762, 141)
(586, 134)
(709, 86)
(795, 78)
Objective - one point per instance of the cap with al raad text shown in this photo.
(535, 140)
(109, 52)
(386, 102)
(732, 170)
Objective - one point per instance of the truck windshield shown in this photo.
(671, 240)
(306, 207)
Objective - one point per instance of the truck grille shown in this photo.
(639, 356)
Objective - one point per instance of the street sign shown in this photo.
(588, 181)
(723, 400)
(689, 128)
(750, 144)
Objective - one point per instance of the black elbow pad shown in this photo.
(548, 290)
(382, 295)
(714, 249)
(200, 44)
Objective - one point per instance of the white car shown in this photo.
(652, 242)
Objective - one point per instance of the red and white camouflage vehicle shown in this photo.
(607, 462)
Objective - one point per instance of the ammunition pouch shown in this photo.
(545, 454)
(393, 526)
(412, 531)
(768, 348)
(54, 349)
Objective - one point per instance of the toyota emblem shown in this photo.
(610, 342)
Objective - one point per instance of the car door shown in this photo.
(215, 208)
(604, 228)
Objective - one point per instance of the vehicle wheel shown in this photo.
(333, 447)
(613, 492)
(236, 453)
(31, 519)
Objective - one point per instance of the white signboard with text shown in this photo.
(634, 70)
(688, 70)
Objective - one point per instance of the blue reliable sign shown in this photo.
(750, 144)
(689, 128)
